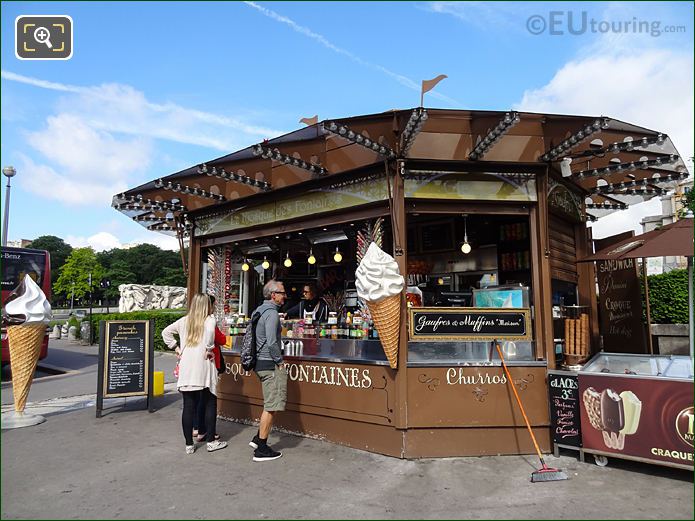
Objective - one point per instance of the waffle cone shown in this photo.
(25, 347)
(386, 314)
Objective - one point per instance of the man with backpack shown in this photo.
(270, 367)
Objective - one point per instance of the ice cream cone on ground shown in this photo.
(25, 347)
(25, 315)
(386, 315)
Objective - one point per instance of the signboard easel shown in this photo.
(126, 361)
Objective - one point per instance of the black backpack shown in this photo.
(248, 345)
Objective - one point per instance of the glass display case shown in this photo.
(468, 353)
(668, 366)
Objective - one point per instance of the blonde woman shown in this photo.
(197, 373)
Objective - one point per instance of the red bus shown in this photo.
(16, 263)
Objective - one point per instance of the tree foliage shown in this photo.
(58, 249)
(77, 267)
(142, 264)
(148, 263)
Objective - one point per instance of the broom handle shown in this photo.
(518, 400)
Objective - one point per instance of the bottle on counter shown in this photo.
(334, 332)
(374, 332)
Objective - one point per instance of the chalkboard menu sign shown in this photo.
(471, 324)
(565, 420)
(125, 360)
(438, 236)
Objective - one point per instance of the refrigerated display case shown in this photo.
(637, 407)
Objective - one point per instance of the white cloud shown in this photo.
(403, 80)
(651, 87)
(103, 241)
(88, 154)
(116, 107)
(45, 182)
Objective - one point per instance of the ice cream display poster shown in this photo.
(638, 417)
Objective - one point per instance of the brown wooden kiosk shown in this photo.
(426, 181)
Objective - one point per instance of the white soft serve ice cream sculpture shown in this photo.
(380, 284)
(26, 314)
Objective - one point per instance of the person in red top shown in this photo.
(199, 428)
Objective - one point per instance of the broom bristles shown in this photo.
(548, 474)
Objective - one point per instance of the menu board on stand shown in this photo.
(126, 361)
(565, 419)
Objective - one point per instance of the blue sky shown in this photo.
(154, 87)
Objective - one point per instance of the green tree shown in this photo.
(77, 267)
(58, 249)
(150, 264)
(118, 273)
(171, 277)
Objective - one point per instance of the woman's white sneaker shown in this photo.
(190, 449)
(216, 445)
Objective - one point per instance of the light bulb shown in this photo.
(465, 247)
(265, 263)
(245, 266)
(440, 281)
(288, 261)
(337, 257)
(311, 259)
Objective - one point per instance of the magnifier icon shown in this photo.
(43, 35)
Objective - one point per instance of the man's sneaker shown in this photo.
(255, 442)
(190, 449)
(216, 445)
(265, 453)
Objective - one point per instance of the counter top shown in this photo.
(421, 354)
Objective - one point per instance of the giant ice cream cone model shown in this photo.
(380, 284)
(25, 315)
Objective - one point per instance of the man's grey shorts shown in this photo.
(274, 385)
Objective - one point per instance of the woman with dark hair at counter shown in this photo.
(312, 303)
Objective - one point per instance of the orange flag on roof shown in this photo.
(428, 85)
(310, 121)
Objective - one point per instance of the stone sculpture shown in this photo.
(137, 297)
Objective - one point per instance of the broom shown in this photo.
(545, 473)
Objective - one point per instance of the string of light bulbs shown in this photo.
(506, 123)
(575, 139)
(185, 189)
(413, 128)
(233, 176)
(356, 137)
(276, 155)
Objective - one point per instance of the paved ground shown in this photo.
(131, 464)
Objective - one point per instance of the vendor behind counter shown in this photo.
(311, 303)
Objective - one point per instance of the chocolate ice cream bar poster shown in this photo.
(638, 418)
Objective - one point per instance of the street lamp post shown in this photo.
(9, 172)
(90, 309)
(72, 296)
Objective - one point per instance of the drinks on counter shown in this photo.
(345, 327)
